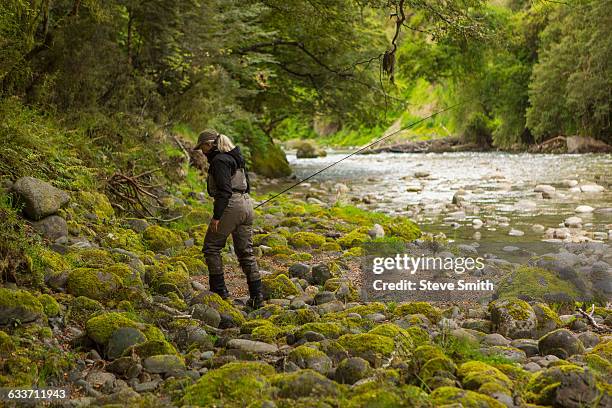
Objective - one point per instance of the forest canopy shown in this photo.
(524, 70)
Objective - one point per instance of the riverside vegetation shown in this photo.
(115, 307)
(102, 210)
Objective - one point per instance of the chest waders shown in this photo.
(237, 220)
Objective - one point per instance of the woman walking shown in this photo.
(228, 184)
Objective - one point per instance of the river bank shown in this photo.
(116, 309)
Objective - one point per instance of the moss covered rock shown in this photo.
(83, 308)
(383, 395)
(513, 318)
(95, 203)
(236, 384)
(307, 383)
(403, 228)
(306, 239)
(476, 374)
(278, 287)
(370, 347)
(561, 343)
(427, 309)
(468, 399)
(50, 305)
(271, 240)
(600, 357)
(123, 238)
(331, 330)
(354, 238)
(565, 385)
(222, 306)
(537, 283)
(310, 357)
(401, 337)
(19, 306)
(94, 283)
(91, 258)
(159, 239)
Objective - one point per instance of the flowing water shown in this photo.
(499, 188)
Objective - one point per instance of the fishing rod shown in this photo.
(359, 150)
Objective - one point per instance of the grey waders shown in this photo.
(237, 220)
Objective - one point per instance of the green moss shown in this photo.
(303, 356)
(96, 203)
(295, 317)
(123, 238)
(51, 262)
(151, 348)
(50, 305)
(600, 358)
(516, 308)
(401, 337)
(542, 387)
(331, 247)
(268, 333)
(100, 328)
(300, 256)
(371, 347)
(222, 306)
(93, 283)
(468, 399)
(428, 310)
(353, 252)
(419, 336)
(7, 345)
(364, 310)
(91, 258)
(129, 277)
(402, 228)
(271, 240)
(159, 239)
(19, 302)
(194, 265)
(423, 354)
(306, 239)
(438, 366)
(354, 238)
(386, 396)
(331, 330)
(236, 384)
(474, 374)
(82, 308)
(278, 287)
(536, 283)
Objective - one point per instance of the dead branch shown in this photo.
(591, 320)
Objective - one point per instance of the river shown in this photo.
(497, 194)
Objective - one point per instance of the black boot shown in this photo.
(256, 298)
(217, 285)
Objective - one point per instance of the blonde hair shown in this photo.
(224, 143)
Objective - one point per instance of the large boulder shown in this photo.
(19, 306)
(40, 198)
(561, 343)
(568, 386)
(513, 318)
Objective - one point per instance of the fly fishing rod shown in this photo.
(359, 151)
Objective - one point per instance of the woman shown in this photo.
(228, 184)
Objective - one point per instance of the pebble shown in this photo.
(516, 233)
(584, 209)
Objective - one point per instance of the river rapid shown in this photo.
(491, 200)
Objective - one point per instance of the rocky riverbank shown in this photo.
(116, 309)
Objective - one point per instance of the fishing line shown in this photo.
(360, 150)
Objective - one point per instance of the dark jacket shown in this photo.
(222, 167)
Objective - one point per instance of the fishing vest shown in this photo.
(239, 182)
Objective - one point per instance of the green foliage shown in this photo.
(569, 89)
